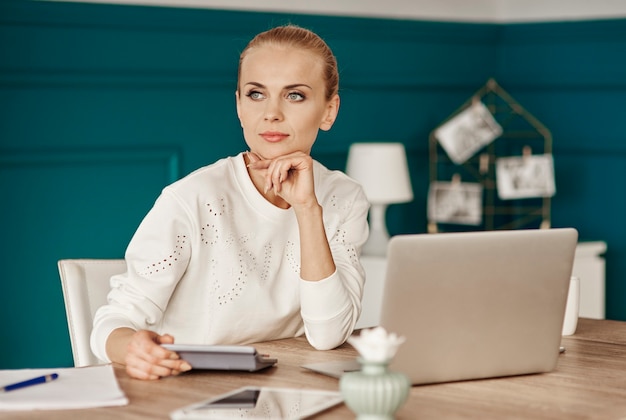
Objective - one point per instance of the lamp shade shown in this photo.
(382, 171)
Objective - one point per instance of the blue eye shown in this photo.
(295, 96)
(255, 95)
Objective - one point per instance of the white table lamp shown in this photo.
(382, 170)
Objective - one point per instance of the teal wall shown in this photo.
(103, 105)
(572, 76)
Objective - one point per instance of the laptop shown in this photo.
(474, 305)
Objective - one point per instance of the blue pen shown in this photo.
(39, 380)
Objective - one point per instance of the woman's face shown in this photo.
(281, 101)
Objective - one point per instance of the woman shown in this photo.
(260, 246)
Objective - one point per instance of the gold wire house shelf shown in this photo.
(522, 135)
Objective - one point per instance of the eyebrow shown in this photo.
(293, 86)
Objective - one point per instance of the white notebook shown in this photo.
(83, 387)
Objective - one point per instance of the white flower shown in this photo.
(375, 345)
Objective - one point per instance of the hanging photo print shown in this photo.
(455, 202)
(525, 177)
(467, 132)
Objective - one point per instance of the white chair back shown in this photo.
(85, 287)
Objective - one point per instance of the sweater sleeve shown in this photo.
(331, 307)
(156, 258)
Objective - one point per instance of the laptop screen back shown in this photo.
(477, 304)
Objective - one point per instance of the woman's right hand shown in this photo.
(144, 356)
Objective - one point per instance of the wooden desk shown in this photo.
(589, 382)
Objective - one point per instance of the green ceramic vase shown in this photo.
(374, 392)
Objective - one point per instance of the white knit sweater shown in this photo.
(213, 262)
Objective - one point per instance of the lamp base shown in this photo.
(376, 245)
(378, 240)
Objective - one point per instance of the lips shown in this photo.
(274, 136)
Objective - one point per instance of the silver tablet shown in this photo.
(261, 403)
(222, 357)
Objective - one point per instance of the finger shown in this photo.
(184, 366)
(173, 360)
(145, 346)
(268, 177)
(159, 367)
(280, 172)
(259, 164)
(155, 349)
(253, 157)
(145, 369)
(149, 350)
(283, 175)
(140, 374)
(176, 365)
(165, 339)
(142, 369)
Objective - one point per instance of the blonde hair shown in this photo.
(303, 39)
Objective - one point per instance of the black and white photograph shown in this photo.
(467, 132)
(455, 202)
(525, 177)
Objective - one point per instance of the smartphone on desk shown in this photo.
(254, 402)
(242, 398)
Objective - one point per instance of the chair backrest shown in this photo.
(85, 287)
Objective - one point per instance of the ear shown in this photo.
(238, 104)
(330, 114)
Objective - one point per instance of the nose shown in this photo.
(273, 111)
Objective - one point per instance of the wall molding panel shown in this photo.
(57, 204)
(169, 158)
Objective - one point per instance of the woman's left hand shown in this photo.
(289, 177)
